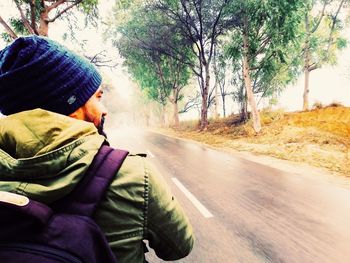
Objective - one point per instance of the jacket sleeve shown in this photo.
(169, 231)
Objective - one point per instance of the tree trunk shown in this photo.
(245, 111)
(306, 89)
(176, 116)
(248, 86)
(176, 109)
(216, 101)
(24, 19)
(44, 25)
(306, 65)
(163, 116)
(204, 108)
(223, 106)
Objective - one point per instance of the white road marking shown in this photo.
(151, 154)
(193, 199)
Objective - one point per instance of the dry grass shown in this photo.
(320, 137)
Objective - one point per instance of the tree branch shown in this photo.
(24, 19)
(320, 17)
(32, 13)
(8, 29)
(213, 35)
(177, 56)
(101, 62)
(263, 44)
(312, 67)
(192, 102)
(64, 10)
(54, 5)
(334, 21)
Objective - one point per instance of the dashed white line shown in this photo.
(192, 198)
(150, 153)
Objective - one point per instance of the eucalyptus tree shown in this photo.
(199, 23)
(34, 16)
(262, 42)
(161, 76)
(144, 72)
(221, 68)
(320, 32)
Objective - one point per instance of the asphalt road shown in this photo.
(244, 211)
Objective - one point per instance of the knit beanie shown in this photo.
(36, 72)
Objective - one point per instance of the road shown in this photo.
(244, 211)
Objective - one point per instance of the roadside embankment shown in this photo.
(319, 137)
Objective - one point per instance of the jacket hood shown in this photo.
(43, 155)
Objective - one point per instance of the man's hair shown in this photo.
(36, 72)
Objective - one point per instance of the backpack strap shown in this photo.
(84, 199)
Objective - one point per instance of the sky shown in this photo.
(328, 84)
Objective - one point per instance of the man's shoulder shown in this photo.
(134, 161)
(138, 171)
(132, 172)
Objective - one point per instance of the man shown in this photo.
(50, 135)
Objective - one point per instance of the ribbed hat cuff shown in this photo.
(78, 97)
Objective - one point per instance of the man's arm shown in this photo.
(168, 229)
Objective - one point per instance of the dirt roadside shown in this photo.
(318, 138)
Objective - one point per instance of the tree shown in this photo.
(36, 15)
(102, 59)
(239, 94)
(261, 42)
(321, 38)
(161, 76)
(146, 75)
(221, 67)
(199, 23)
(192, 101)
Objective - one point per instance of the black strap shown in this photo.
(89, 192)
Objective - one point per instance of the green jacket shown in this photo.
(43, 155)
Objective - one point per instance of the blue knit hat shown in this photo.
(36, 72)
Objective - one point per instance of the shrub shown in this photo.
(317, 105)
(335, 104)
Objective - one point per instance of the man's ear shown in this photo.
(78, 114)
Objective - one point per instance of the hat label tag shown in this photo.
(72, 99)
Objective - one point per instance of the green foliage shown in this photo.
(156, 73)
(126, 5)
(324, 36)
(272, 29)
(88, 5)
(90, 10)
(63, 11)
(341, 43)
(166, 31)
(18, 26)
(6, 37)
